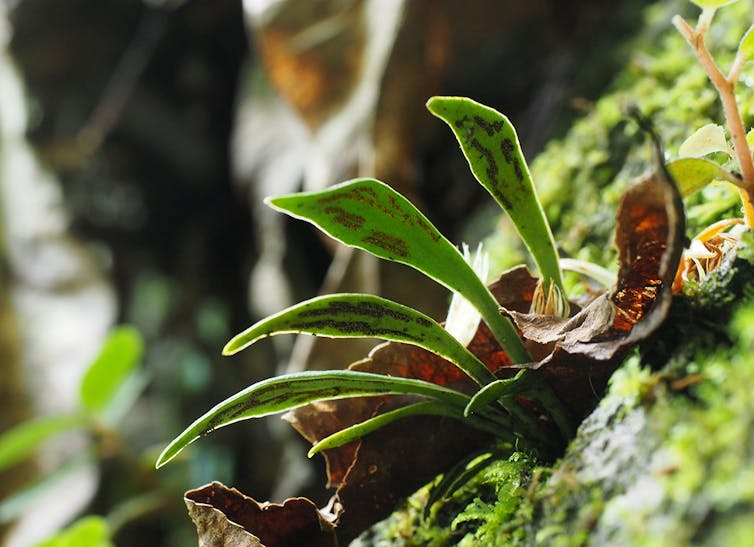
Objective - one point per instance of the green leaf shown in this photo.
(21, 441)
(693, 174)
(364, 316)
(357, 431)
(705, 140)
(290, 391)
(750, 138)
(120, 354)
(369, 215)
(491, 146)
(712, 3)
(746, 47)
(529, 384)
(492, 392)
(89, 531)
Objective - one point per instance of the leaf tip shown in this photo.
(231, 348)
(438, 104)
(272, 201)
(164, 458)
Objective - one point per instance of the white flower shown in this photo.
(463, 318)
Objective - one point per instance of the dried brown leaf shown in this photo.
(224, 517)
(592, 343)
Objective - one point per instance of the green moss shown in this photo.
(581, 177)
(490, 509)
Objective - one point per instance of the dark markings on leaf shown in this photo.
(362, 195)
(354, 327)
(292, 398)
(492, 172)
(394, 204)
(424, 322)
(391, 244)
(506, 146)
(428, 229)
(369, 309)
(344, 218)
(491, 128)
(411, 219)
(508, 149)
(461, 123)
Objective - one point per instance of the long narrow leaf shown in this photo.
(360, 429)
(369, 215)
(491, 146)
(290, 391)
(492, 392)
(364, 316)
(528, 384)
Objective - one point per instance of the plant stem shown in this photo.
(726, 90)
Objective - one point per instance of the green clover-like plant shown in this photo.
(369, 215)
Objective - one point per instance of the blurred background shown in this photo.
(138, 138)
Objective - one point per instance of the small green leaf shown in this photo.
(89, 531)
(120, 354)
(492, 392)
(357, 431)
(364, 316)
(746, 47)
(712, 3)
(21, 441)
(369, 215)
(705, 140)
(491, 146)
(528, 384)
(693, 174)
(750, 138)
(290, 391)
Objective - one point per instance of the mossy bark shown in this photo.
(668, 455)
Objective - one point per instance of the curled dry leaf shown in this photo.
(590, 345)
(575, 355)
(224, 517)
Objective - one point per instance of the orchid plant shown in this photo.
(369, 215)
